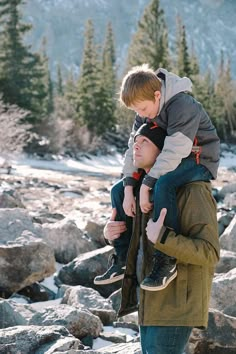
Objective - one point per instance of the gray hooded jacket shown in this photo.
(184, 119)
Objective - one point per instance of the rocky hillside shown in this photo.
(210, 26)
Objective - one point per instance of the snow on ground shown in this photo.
(110, 164)
(228, 160)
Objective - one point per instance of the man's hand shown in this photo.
(155, 229)
(129, 204)
(145, 204)
(113, 229)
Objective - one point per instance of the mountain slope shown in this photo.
(210, 25)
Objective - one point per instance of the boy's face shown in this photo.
(148, 109)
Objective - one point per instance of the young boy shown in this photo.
(191, 152)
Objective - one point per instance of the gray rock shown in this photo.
(90, 298)
(83, 269)
(13, 222)
(228, 238)
(81, 296)
(37, 340)
(24, 262)
(227, 261)
(223, 292)
(224, 220)
(9, 317)
(79, 322)
(230, 200)
(95, 232)
(66, 239)
(10, 199)
(218, 338)
(228, 189)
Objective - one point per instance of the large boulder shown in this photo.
(37, 340)
(83, 269)
(66, 239)
(228, 238)
(80, 322)
(227, 261)
(223, 292)
(78, 296)
(24, 262)
(218, 338)
(13, 222)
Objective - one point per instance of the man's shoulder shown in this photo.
(195, 187)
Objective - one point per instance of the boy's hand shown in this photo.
(129, 203)
(145, 204)
(113, 229)
(156, 229)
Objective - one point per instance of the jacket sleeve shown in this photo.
(183, 115)
(129, 171)
(198, 242)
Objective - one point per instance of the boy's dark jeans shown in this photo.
(164, 196)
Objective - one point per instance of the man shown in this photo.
(167, 317)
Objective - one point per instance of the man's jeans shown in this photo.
(164, 339)
(164, 196)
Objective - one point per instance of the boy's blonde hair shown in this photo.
(138, 85)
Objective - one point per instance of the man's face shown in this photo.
(148, 109)
(144, 153)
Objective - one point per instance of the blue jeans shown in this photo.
(121, 244)
(164, 196)
(164, 193)
(164, 340)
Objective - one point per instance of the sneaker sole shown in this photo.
(160, 287)
(109, 281)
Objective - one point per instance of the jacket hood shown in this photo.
(172, 85)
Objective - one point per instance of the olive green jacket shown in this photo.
(185, 301)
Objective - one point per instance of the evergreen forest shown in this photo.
(77, 112)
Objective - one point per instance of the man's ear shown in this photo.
(157, 95)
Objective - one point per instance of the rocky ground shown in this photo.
(67, 208)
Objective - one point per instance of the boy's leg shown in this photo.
(164, 196)
(116, 271)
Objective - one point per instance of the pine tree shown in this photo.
(21, 71)
(96, 84)
(183, 60)
(150, 42)
(60, 90)
(46, 82)
(70, 89)
(225, 95)
(88, 84)
(108, 80)
(194, 64)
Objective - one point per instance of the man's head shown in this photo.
(148, 143)
(141, 91)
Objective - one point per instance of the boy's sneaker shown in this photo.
(163, 272)
(113, 274)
